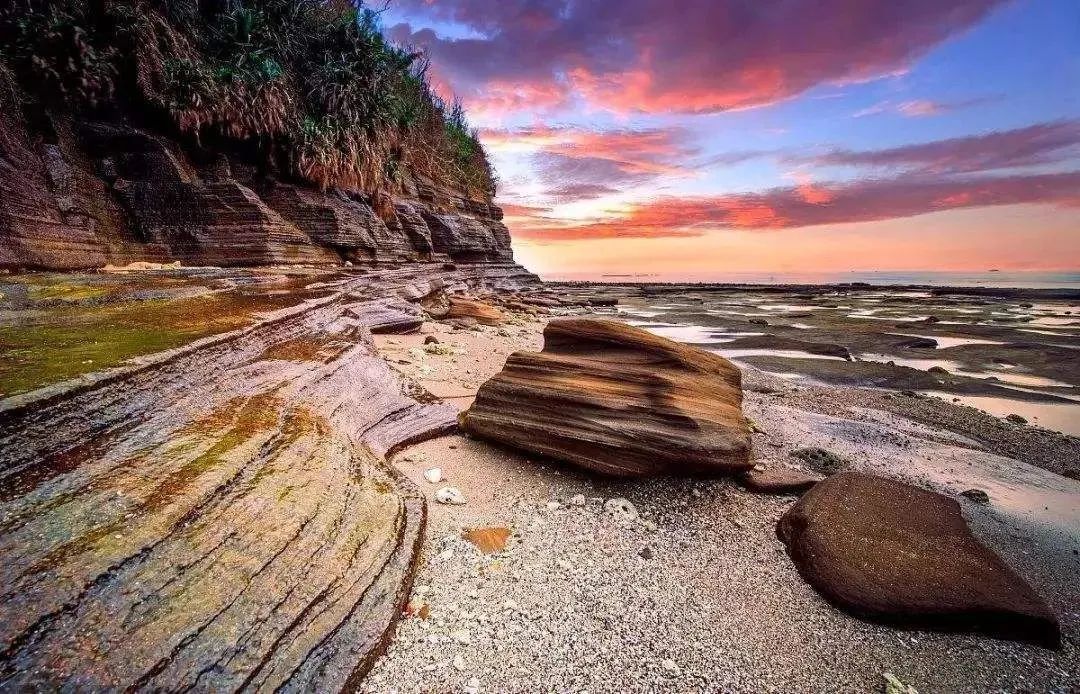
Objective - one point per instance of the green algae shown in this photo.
(64, 342)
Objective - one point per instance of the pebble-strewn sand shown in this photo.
(697, 595)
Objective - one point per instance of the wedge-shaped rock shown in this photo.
(618, 400)
(778, 481)
(475, 310)
(889, 551)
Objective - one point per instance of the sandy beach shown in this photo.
(697, 594)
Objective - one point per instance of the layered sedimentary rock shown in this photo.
(220, 516)
(39, 226)
(889, 551)
(471, 309)
(619, 400)
(83, 194)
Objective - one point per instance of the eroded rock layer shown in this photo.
(219, 516)
(889, 551)
(83, 194)
(619, 400)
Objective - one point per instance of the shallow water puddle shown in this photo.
(1059, 416)
(787, 353)
(1004, 376)
(691, 334)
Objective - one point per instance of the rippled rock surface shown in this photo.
(617, 400)
(892, 552)
(219, 516)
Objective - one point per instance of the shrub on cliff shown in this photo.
(306, 87)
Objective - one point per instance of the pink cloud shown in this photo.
(701, 56)
(789, 208)
(579, 164)
(1043, 143)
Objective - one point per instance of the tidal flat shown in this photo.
(273, 478)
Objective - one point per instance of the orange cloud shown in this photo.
(788, 208)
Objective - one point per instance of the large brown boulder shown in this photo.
(889, 551)
(618, 400)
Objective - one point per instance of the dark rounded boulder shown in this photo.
(891, 552)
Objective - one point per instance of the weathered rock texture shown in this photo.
(83, 194)
(618, 400)
(470, 309)
(889, 551)
(220, 516)
(778, 481)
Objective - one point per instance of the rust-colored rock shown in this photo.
(889, 551)
(476, 310)
(488, 540)
(778, 481)
(618, 400)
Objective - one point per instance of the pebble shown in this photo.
(450, 495)
(434, 475)
(621, 509)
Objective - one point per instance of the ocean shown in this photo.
(1018, 279)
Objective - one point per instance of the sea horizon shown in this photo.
(1020, 279)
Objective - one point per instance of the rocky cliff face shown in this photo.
(84, 194)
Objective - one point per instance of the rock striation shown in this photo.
(888, 551)
(221, 516)
(471, 309)
(618, 400)
(84, 194)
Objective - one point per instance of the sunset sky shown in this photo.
(689, 139)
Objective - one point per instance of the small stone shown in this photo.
(977, 495)
(472, 686)
(621, 509)
(646, 553)
(1016, 419)
(577, 500)
(553, 505)
(450, 495)
(462, 636)
(434, 475)
(459, 663)
(439, 348)
(431, 340)
(488, 540)
(893, 685)
(670, 666)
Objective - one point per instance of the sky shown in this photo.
(691, 139)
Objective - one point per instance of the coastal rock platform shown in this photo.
(220, 515)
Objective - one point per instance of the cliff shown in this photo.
(230, 133)
(96, 193)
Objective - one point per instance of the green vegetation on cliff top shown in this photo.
(307, 88)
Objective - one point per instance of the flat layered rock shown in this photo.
(486, 314)
(778, 481)
(618, 400)
(889, 551)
